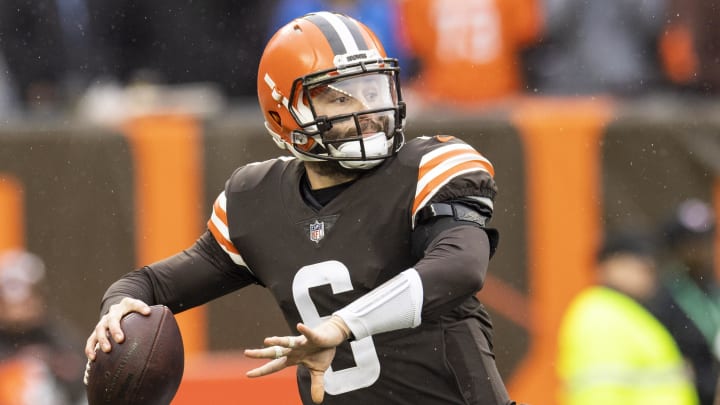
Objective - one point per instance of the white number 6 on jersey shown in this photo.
(367, 368)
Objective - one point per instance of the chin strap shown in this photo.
(395, 304)
(375, 145)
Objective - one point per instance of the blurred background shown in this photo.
(120, 121)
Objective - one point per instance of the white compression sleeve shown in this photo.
(395, 304)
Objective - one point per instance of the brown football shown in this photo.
(146, 368)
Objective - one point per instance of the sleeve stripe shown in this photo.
(220, 237)
(219, 208)
(431, 185)
(217, 224)
(444, 149)
(227, 247)
(448, 155)
(428, 173)
(441, 165)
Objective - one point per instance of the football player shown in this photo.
(374, 248)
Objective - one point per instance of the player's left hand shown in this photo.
(314, 348)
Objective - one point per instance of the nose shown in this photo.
(370, 125)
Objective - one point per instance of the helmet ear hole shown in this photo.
(276, 117)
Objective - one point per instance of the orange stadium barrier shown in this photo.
(168, 161)
(219, 378)
(12, 215)
(562, 153)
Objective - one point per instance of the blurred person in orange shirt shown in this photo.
(468, 51)
(39, 360)
(690, 46)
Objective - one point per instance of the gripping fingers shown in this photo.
(109, 325)
(101, 335)
(118, 311)
(87, 372)
(90, 346)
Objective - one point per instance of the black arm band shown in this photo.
(435, 218)
(458, 211)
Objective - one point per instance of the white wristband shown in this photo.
(395, 304)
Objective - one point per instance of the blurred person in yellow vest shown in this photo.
(40, 362)
(611, 349)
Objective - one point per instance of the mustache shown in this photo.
(365, 126)
(373, 125)
(368, 126)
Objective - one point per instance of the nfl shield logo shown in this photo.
(317, 231)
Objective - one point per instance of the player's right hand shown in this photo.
(109, 325)
(314, 348)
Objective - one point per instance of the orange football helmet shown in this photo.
(328, 92)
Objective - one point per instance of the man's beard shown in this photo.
(333, 170)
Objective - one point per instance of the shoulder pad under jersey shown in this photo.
(440, 160)
(249, 176)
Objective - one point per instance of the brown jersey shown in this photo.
(315, 262)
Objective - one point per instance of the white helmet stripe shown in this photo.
(355, 31)
(277, 96)
(336, 30)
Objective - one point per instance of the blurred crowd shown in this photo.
(87, 56)
(648, 330)
(41, 358)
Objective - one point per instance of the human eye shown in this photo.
(371, 95)
(332, 95)
(340, 99)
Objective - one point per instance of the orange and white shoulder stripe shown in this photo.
(218, 225)
(440, 166)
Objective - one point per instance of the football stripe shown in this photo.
(341, 31)
(433, 184)
(226, 245)
(433, 158)
(344, 31)
(221, 230)
(436, 162)
(448, 164)
(355, 31)
(217, 224)
(452, 155)
(217, 232)
(332, 36)
(219, 208)
(445, 149)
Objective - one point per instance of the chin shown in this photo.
(331, 168)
